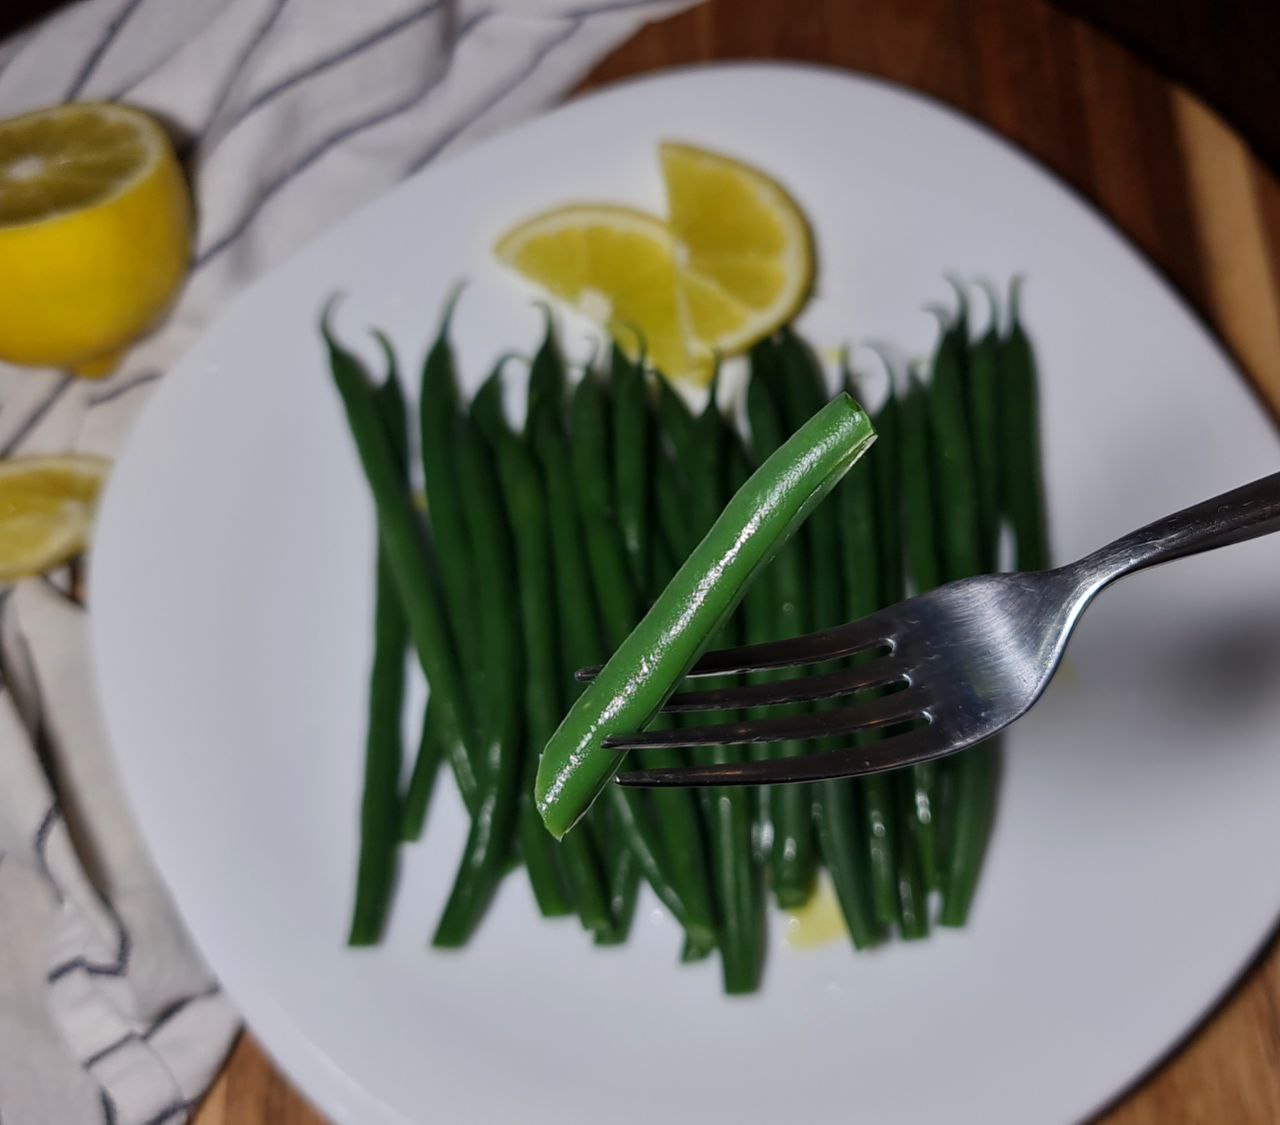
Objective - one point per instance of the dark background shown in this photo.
(1227, 51)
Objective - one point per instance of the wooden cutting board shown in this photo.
(1169, 174)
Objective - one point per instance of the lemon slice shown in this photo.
(95, 233)
(733, 263)
(743, 248)
(46, 510)
(618, 266)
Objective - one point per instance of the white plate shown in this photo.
(1132, 872)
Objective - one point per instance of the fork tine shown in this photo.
(899, 707)
(909, 748)
(877, 673)
(872, 631)
(811, 648)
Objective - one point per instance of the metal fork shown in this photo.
(949, 668)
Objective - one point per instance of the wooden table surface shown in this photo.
(1168, 173)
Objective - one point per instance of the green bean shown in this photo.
(665, 561)
(489, 838)
(800, 392)
(649, 843)
(757, 628)
(671, 496)
(547, 384)
(957, 328)
(670, 478)
(544, 695)
(526, 511)
(580, 637)
(578, 616)
(439, 420)
(1022, 502)
(792, 858)
(922, 550)
(970, 774)
(984, 425)
(837, 812)
(953, 473)
(913, 889)
(672, 483)
(431, 744)
(861, 562)
(624, 822)
(838, 816)
(677, 814)
(920, 541)
(461, 758)
(604, 843)
(651, 661)
(675, 444)
(729, 810)
(618, 825)
(609, 835)
(973, 798)
(675, 423)
(622, 875)
(411, 561)
(422, 781)
(1022, 472)
(739, 892)
(887, 472)
(877, 793)
(616, 592)
(691, 953)
(624, 890)
(380, 800)
(631, 460)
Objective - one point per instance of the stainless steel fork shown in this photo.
(949, 668)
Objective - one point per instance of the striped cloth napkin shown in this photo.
(290, 113)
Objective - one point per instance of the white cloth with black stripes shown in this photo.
(291, 113)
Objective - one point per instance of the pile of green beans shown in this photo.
(543, 549)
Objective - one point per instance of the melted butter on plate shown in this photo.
(818, 922)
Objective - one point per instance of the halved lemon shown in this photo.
(95, 233)
(733, 263)
(46, 510)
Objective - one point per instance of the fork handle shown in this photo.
(1243, 513)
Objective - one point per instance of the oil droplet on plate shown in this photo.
(819, 921)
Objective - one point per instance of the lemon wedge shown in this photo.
(743, 245)
(733, 262)
(46, 510)
(95, 234)
(618, 266)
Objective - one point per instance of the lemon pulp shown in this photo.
(95, 233)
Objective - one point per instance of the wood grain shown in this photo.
(1168, 173)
